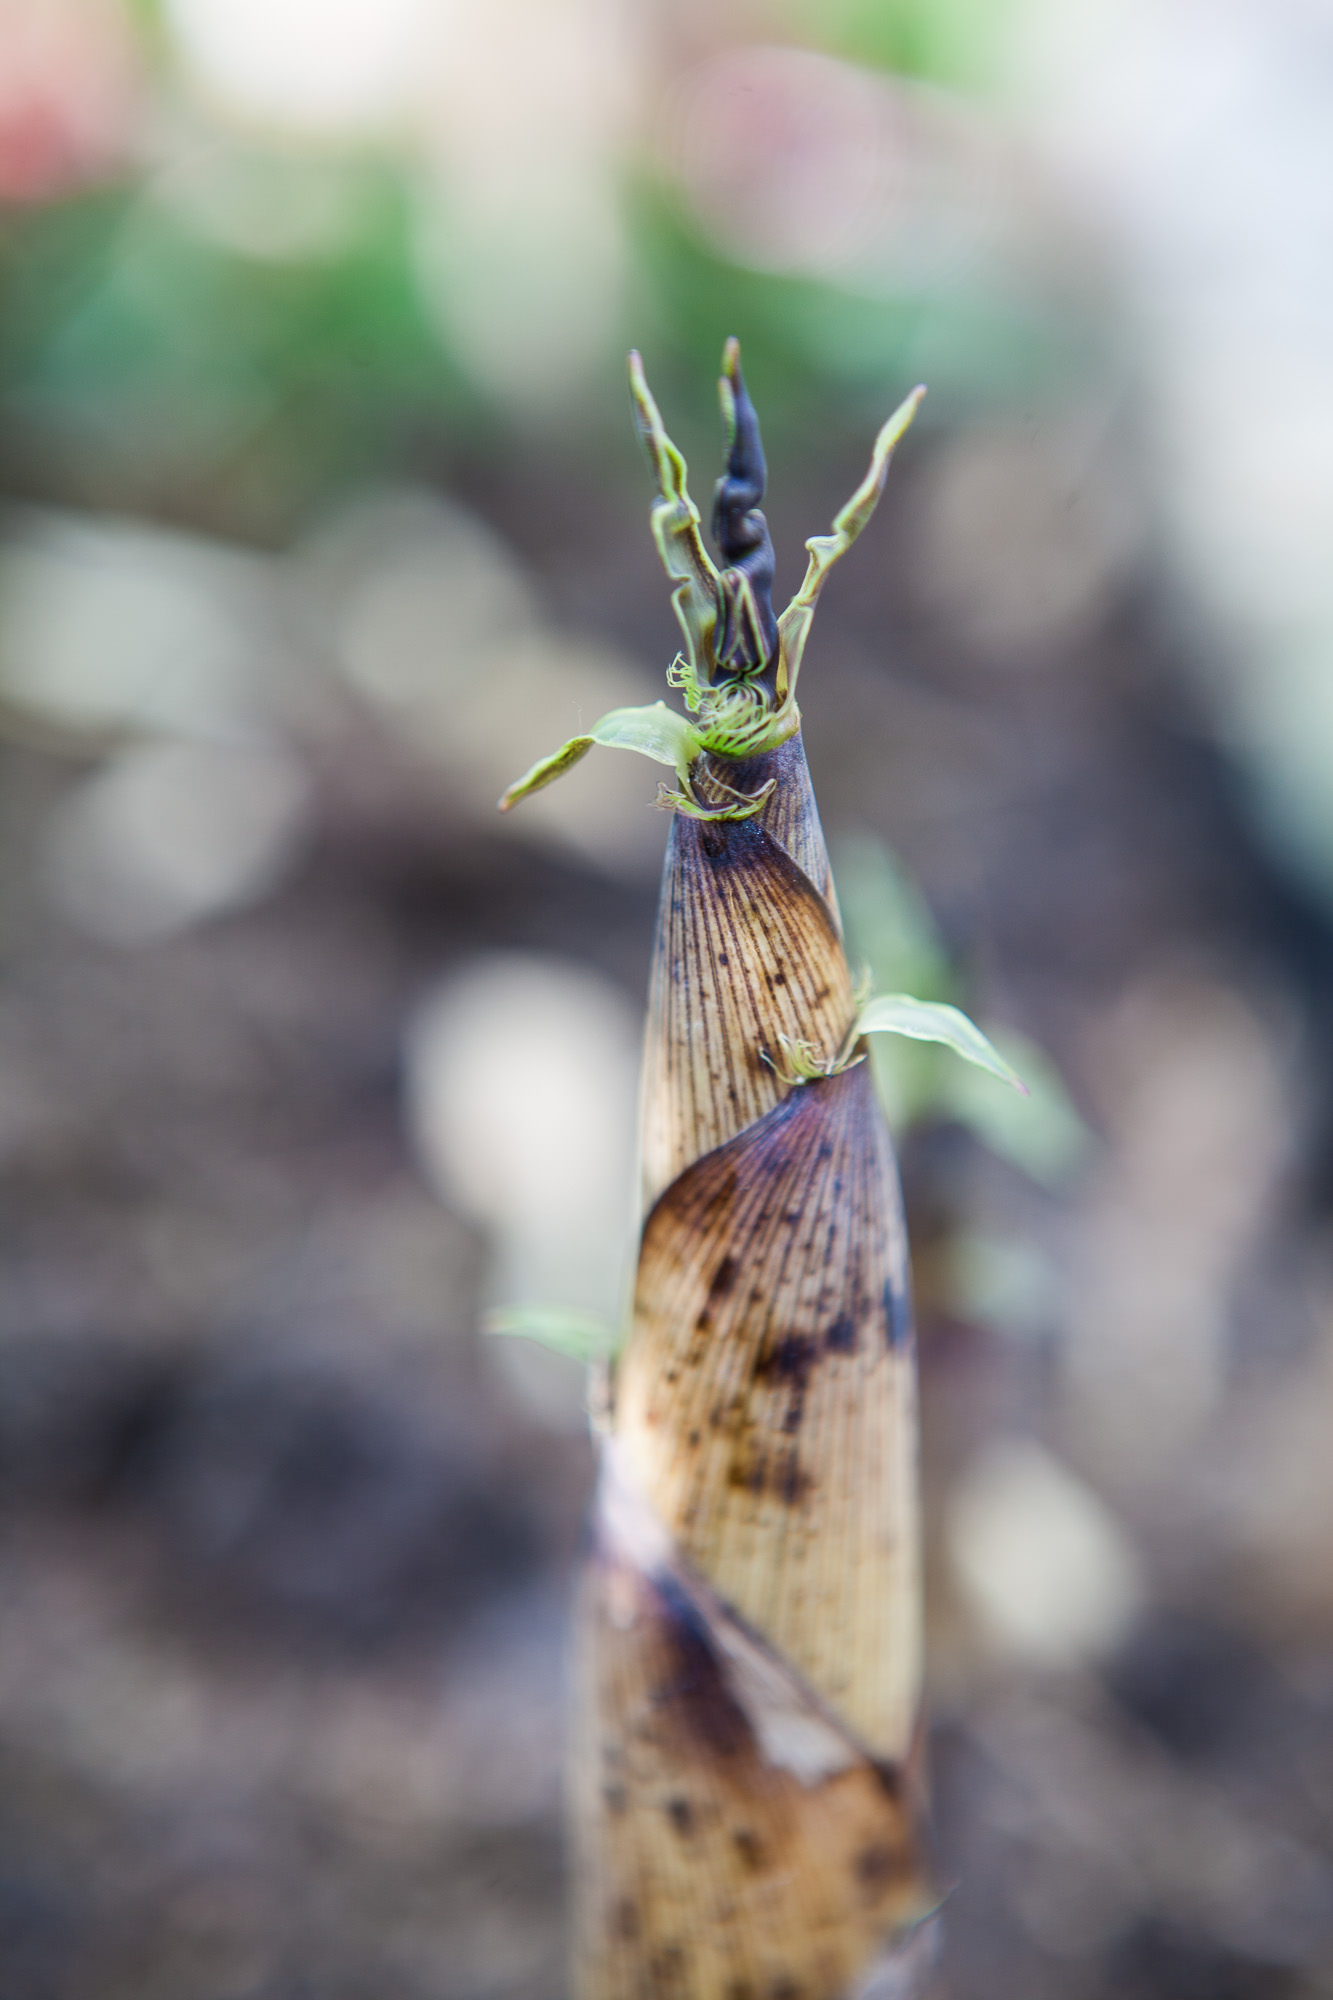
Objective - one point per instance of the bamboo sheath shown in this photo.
(745, 1803)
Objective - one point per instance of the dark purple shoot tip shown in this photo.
(748, 635)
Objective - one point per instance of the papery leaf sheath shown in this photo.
(734, 1838)
(748, 950)
(789, 815)
(766, 1398)
(750, 1625)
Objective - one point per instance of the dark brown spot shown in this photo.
(681, 1814)
(716, 838)
(693, 1690)
(667, 1969)
(739, 1989)
(790, 1359)
(784, 1987)
(749, 1474)
(693, 1439)
(749, 1847)
(721, 1283)
(890, 1778)
(625, 1919)
(875, 1869)
(615, 1798)
(795, 1481)
(723, 1278)
(897, 1316)
(840, 1338)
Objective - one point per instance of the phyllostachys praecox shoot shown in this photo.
(746, 1788)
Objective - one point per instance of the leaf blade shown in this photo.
(655, 731)
(935, 1021)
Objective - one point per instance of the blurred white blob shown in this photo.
(1042, 1563)
(1020, 535)
(434, 621)
(167, 835)
(420, 594)
(321, 64)
(521, 1078)
(1003, 1283)
(796, 162)
(781, 151)
(1198, 142)
(114, 625)
(278, 203)
(1198, 1120)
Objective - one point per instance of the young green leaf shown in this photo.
(932, 1021)
(655, 731)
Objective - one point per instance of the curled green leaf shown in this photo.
(803, 1062)
(656, 731)
(825, 550)
(933, 1021)
(678, 532)
(744, 805)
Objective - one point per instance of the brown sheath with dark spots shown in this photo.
(749, 1632)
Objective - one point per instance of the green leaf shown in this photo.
(678, 533)
(546, 771)
(932, 1021)
(582, 1336)
(657, 731)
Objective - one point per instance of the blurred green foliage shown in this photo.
(957, 43)
(240, 321)
(145, 363)
(819, 346)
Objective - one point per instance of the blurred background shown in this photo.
(321, 517)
